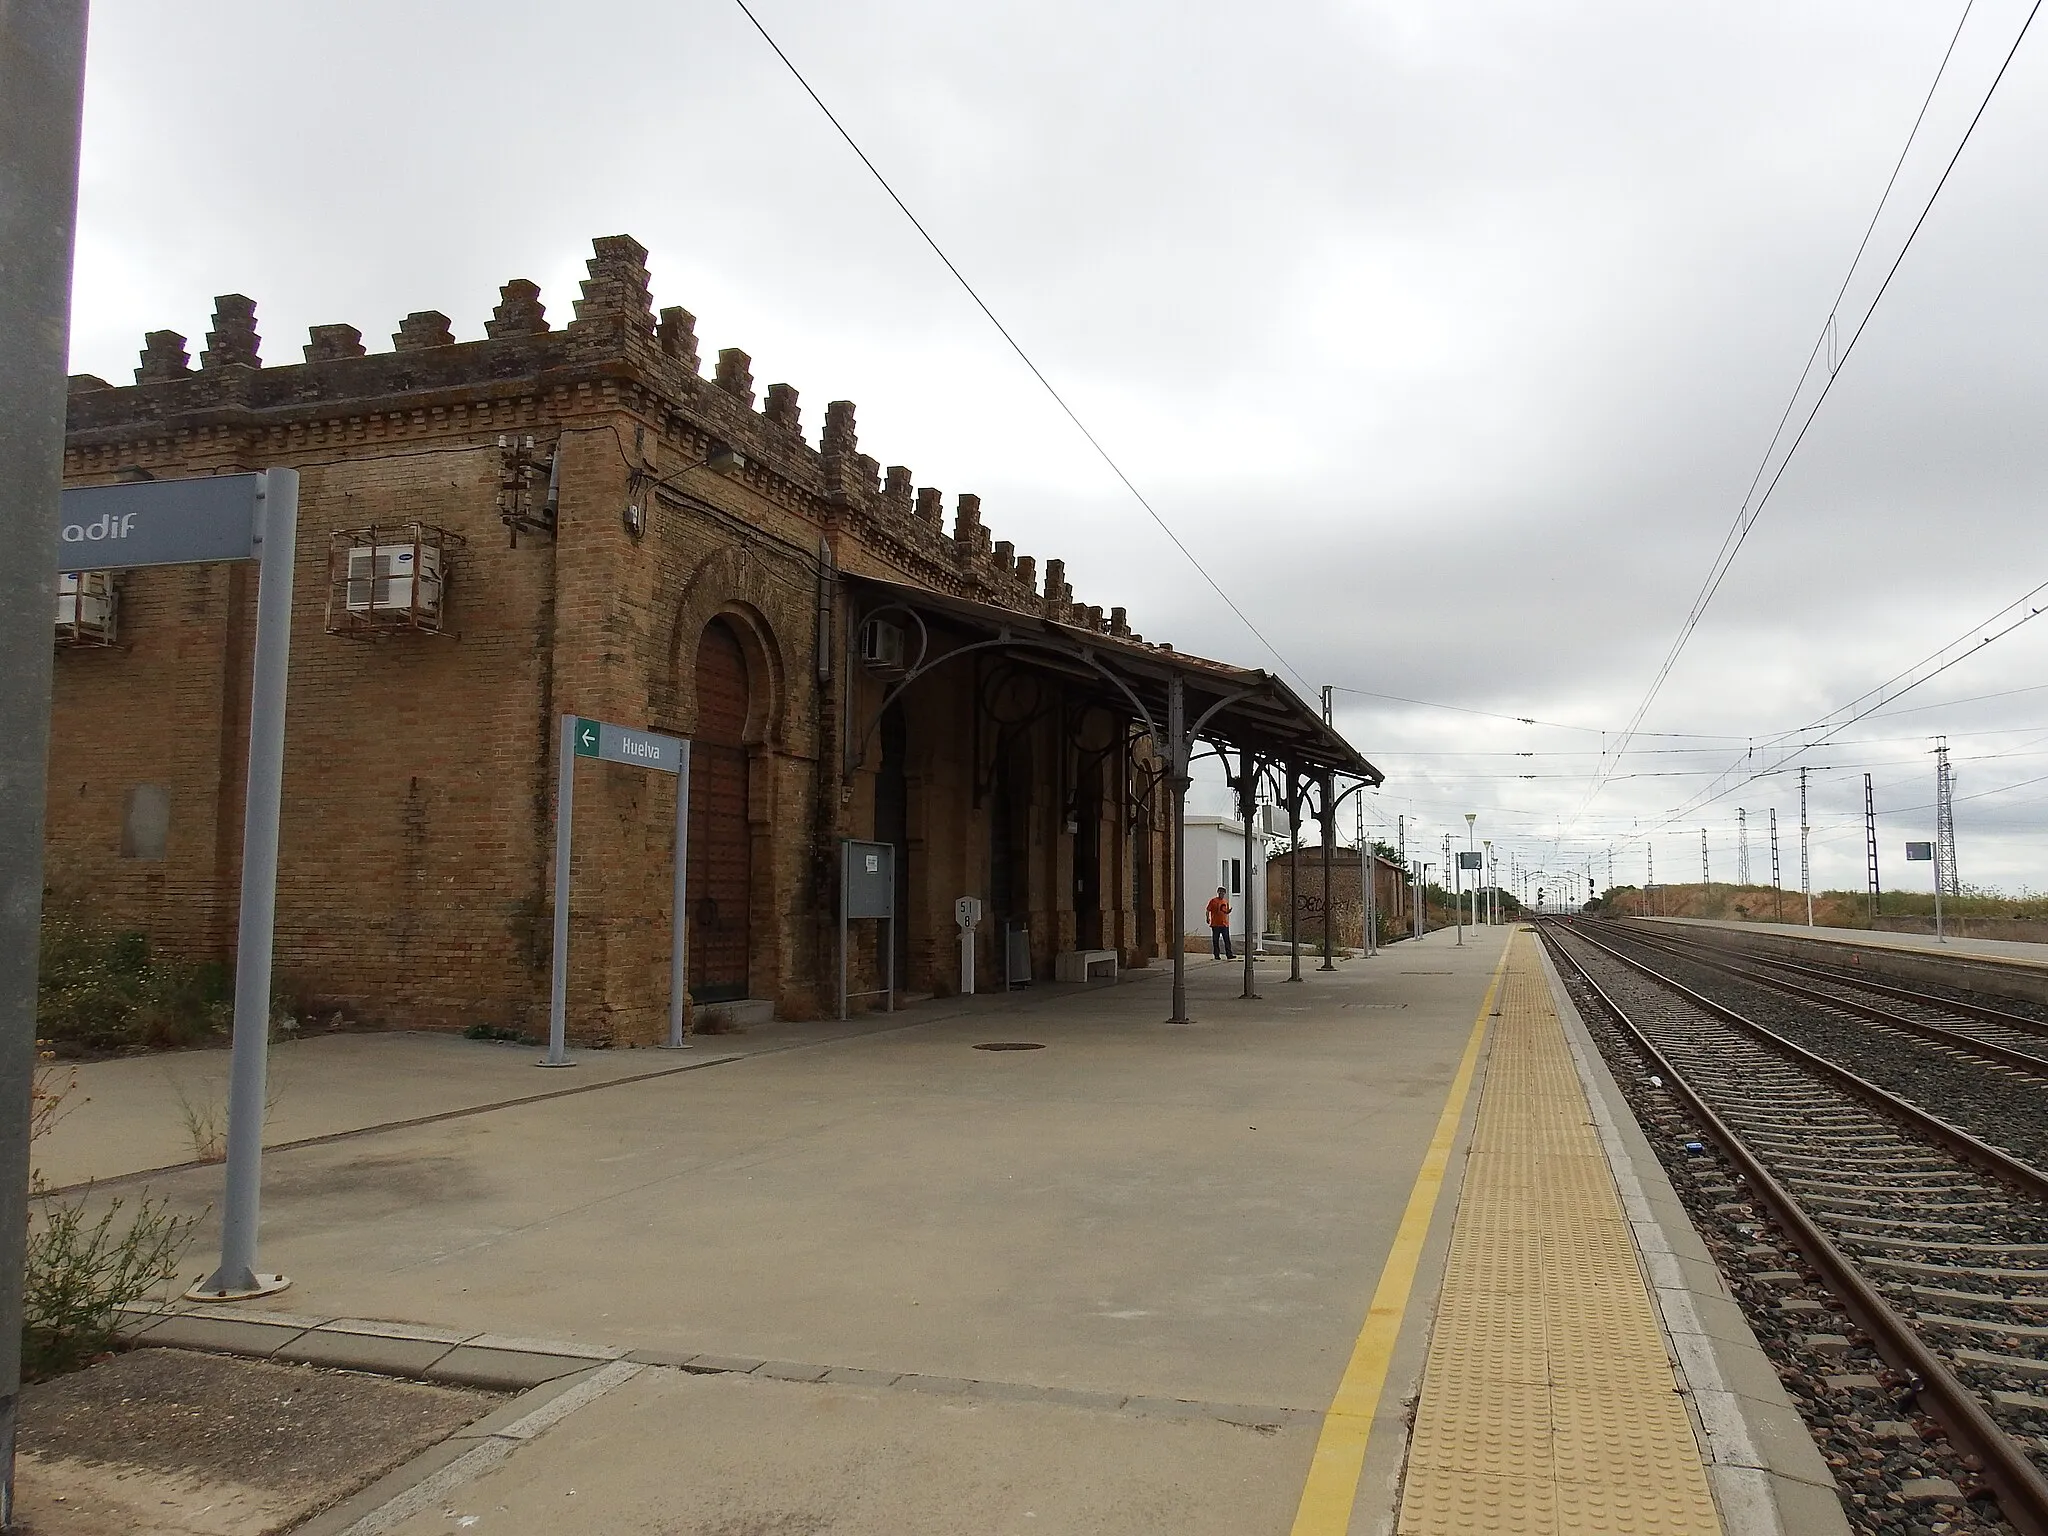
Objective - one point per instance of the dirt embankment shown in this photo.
(1972, 916)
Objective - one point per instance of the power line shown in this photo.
(1752, 508)
(1871, 700)
(1015, 345)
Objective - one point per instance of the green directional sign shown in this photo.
(586, 737)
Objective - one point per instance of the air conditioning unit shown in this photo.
(881, 644)
(394, 578)
(85, 607)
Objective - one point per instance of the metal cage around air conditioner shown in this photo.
(88, 604)
(389, 580)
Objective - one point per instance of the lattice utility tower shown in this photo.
(1805, 853)
(1741, 846)
(1870, 845)
(1777, 883)
(1706, 870)
(1944, 821)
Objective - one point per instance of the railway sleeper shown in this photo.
(1909, 1266)
(1979, 1298)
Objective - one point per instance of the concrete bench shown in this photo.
(1085, 965)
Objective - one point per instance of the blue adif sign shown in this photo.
(160, 522)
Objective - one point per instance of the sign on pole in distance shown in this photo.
(637, 749)
(1470, 860)
(1919, 853)
(582, 737)
(160, 522)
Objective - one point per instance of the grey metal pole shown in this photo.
(1329, 822)
(565, 824)
(262, 801)
(1177, 749)
(1245, 803)
(1368, 896)
(679, 927)
(1293, 873)
(42, 88)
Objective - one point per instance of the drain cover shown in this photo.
(1011, 1045)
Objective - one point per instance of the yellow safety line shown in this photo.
(1332, 1486)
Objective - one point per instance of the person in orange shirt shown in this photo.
(1219, 927)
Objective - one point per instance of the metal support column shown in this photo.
(1177, 768)
(1329, 824)
(1293, 873)
(262, 799)
(565, 821)
(42, 88)
(1870, 847)
(1247, 798)
(679, 926)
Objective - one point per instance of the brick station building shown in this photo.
(575, 520)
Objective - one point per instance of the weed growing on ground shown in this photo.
(101, 990)
(206, 1125)
(205, 1116)
(79, 1272)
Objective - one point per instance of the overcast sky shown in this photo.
(1448, 336)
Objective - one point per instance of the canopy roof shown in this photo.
(1266, 717)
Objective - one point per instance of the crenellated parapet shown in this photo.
(233, 341)
(617, 353)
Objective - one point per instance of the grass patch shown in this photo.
(102, 991)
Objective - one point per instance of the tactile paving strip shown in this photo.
(1548, 1400)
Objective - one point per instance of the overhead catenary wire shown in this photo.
(1753, 505)
(1017, 346)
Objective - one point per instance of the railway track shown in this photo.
(1993, 1088)
(2010, 1038)
(1933, 1240)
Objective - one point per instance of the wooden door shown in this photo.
(721, 837)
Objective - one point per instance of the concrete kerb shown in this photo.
(358, 1344)
(1767, 1476)
(541, 1365)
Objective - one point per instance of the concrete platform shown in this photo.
(1147, 1278)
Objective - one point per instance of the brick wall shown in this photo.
(415, 884)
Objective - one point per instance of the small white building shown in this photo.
(1216, 856)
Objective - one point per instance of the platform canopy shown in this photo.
(1265, 716)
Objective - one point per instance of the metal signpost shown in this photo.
(967, 913)
(193, 522)
(1467, 861)
(636, 749)
(42, 90)
(1923, 853)
(867, 888)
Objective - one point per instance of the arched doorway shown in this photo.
(721, 835)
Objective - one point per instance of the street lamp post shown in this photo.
(1471, 846)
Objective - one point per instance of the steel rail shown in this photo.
(2022, 1492)
(2000, 1164)
(2004, 1055)
(1982, 1011)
